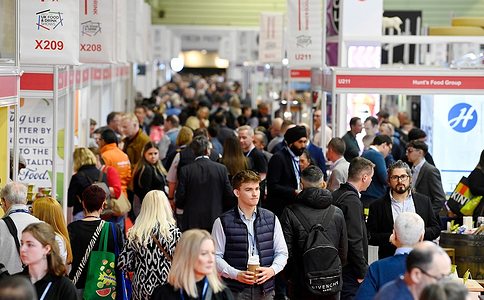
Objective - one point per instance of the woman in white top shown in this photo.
(50, 211)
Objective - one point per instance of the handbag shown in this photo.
(115, 207)
(123, 284)
(101, 277)
(460, 196)
(470, 206)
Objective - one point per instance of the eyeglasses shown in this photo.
(433, 276)
(396, 177)
(411, 150)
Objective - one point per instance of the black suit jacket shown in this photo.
(429, 183)
(203, 188)
(380, 222)
(281, 182)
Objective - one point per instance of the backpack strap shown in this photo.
(89, 179)
(13, 231)
(344, 195)
(301, 218)
(327, 218)
(101, 176)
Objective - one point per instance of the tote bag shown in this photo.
(101, 277)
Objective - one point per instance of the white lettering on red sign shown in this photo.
(436, 82)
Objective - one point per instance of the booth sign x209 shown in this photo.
(48, 32)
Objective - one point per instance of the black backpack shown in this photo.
(321, 264)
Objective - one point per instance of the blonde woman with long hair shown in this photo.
(193, 274)
(142, 254)
(50, 211)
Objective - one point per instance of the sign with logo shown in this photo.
(271, 37)
(462, 117)
(304, 33)
(48, 33)
(454, 128)
(97, 31)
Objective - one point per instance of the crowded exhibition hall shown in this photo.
(236, 150)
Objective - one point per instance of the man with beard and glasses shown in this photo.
(400, 198)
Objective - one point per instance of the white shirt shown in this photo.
(416, 171)
(398, 207)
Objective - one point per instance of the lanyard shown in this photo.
(248, 153)
(45, 291)
(205, 287)
(18, 210)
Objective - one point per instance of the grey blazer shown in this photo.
(429, 183)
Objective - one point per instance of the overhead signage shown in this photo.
(271, 38)
(409, 82)
(304, 32)
(48, 32)
(97, 31)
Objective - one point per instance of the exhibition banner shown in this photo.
(247, 46)
(304, 32)
(35, 139)
(97, 29)
(454, 126)
(48, 32)
(161, 48)
(271, 38)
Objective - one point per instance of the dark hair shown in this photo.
(219, 117)
(338, 146)
(358, 167)
(312, 175)
(200, 132)
(243, 177)
(93, 198)
(173, 120)
(373, 121)
(308, 156)
(200, 145)
(109, 136)
(481, 160)
(354, 120)
(419, 145)
(421, 259)
(382, 139)
(213, 129)
(415, 134)
(111, 116)
(17, 287)
(398, 165)
(142, 107)
(158, 120)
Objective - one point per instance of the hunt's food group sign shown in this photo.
(48, 32)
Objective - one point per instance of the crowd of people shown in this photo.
(215, 187)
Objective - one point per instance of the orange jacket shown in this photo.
(113, 156)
